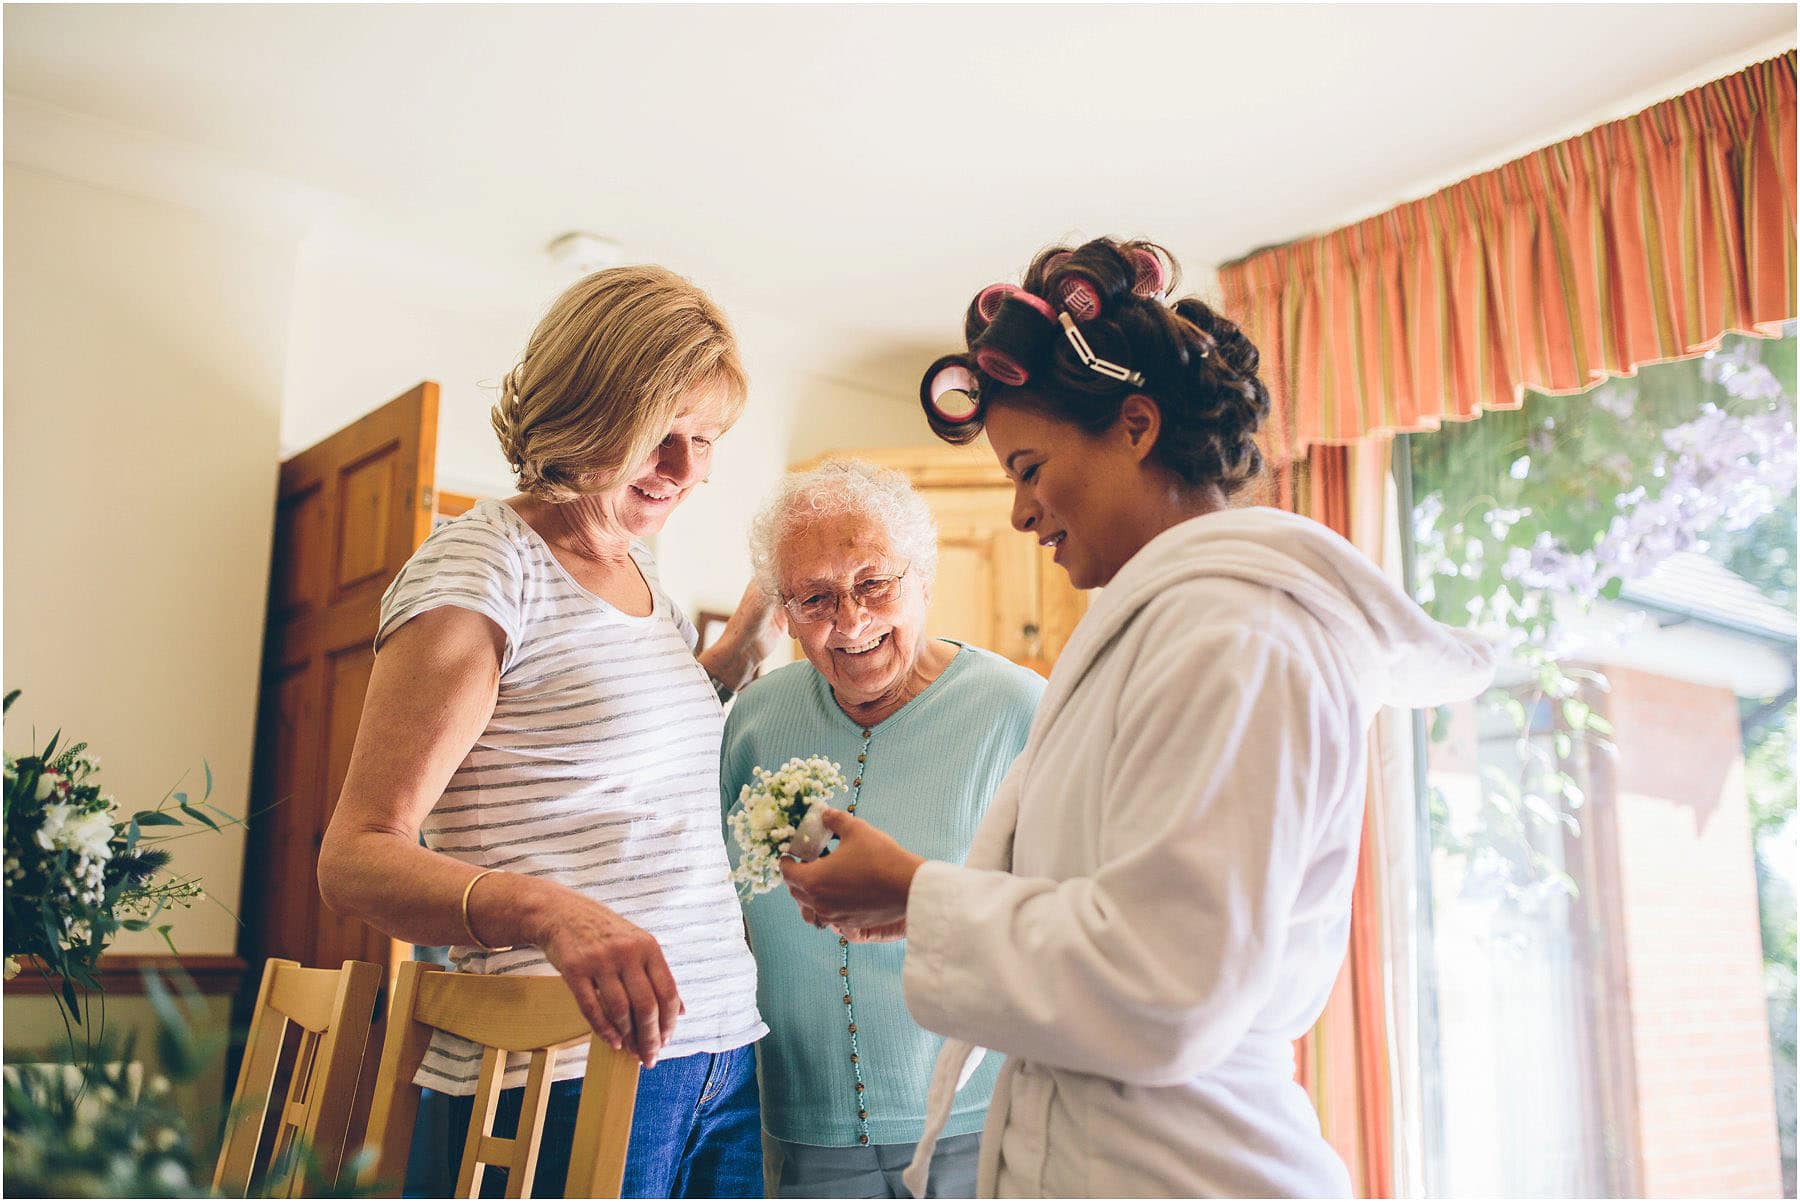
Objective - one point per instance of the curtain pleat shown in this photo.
(1643, 240)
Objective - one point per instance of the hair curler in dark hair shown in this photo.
(1088, 281)
(1197, 366)
(1019, 336)
(950, 394)
(989, 300)
(1151, 278)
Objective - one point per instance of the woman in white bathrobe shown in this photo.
(1158, 901)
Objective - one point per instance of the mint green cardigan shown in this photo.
(932, 767)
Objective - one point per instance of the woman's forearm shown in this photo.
(731, 663)
(750, 636)
(415, 894)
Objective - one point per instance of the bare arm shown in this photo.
(431, 693)
(751, 635)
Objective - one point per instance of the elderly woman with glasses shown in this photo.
(924, 729)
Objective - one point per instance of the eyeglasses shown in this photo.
(874, 592)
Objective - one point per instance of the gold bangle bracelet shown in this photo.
(470, 930)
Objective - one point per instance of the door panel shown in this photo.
(962, 599)
(349, 512)
(367, 495)
(300, 553)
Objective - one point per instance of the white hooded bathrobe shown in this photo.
(1158, 900)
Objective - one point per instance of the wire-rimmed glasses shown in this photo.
(821, 604)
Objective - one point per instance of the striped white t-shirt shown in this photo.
(599, 770)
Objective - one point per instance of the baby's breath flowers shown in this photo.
(78, 870)
(780, 815)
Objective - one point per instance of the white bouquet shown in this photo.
(781, 815)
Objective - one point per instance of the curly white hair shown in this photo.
(844, 486)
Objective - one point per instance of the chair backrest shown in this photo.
(535, 1015)
(334, 1009)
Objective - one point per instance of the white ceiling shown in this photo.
(871, 166)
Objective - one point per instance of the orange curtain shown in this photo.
(1645, 239)
(1343, 1062)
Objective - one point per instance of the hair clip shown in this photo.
(950, 391)
(1094, 362)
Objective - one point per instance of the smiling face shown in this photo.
(675, 468)
(864, 654)
(1080, 493)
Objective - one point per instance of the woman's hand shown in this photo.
(862, 884)
(753, 632)
(618, 975)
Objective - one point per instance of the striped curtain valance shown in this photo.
(1645, 239)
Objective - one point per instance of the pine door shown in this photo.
(350, 511)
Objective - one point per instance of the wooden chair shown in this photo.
(503, 1014)
(334, 1008)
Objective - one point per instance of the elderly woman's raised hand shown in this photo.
(862, 884)
(617, 972)
(756, 627)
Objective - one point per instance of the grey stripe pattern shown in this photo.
(599, 770)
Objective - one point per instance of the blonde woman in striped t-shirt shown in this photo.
(537, 713)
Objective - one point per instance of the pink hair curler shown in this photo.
(1035, 301)
(1079, 295)
(989, 299)
(1152, 274)
(1002, 366)
(1021, 334)
(949, 391)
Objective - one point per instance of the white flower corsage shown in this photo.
(781, 815)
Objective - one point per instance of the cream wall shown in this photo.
(144, 352)
(374, 315)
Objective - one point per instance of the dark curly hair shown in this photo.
(1196, 365)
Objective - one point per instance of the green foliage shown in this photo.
(82, 1123)
(78, 872)
(1523, 519)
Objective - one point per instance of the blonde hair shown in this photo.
(603, 377)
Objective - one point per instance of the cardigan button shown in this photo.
(863, 758)
(844, 971)
(862, 1114)
(857, 782)
(843, 942)
(846, 999)
(852, 1028)
(867, 733)
(862, 1139)
(859, 1087)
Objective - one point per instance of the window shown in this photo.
(1606, 959)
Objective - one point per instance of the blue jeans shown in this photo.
(696, 1132)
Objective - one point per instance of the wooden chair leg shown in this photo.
(338, 1064)
(603, 1123)
(250, 1099)
(396, 1105)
